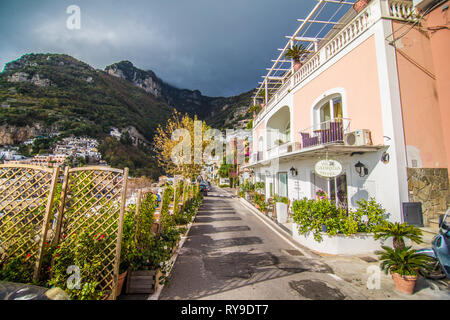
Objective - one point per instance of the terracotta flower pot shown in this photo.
(297, 65)
(120, 282)
(360, 4)
(404, 284)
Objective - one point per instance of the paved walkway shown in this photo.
(231, 254)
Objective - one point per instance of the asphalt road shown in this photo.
(231, 254)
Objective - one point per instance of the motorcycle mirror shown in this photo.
(443, 221)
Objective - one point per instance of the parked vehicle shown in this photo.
(204, 189)
(440, 250)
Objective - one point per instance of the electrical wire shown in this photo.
(413, 25)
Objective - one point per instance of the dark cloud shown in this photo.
(219, 47)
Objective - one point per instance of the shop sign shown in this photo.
(328, 168)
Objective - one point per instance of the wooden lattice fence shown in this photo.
(26, 198)
(92, 205)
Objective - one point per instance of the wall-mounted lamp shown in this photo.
(293, 171)
(385, 157)
(361, 169)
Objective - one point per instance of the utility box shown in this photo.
(412, 213)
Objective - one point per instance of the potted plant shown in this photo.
(296, 52)
(255, 109)
(282, 208)
(398, 232)
(262, 94)
(359, 5)
(404, 265)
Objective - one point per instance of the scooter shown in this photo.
(439, 251)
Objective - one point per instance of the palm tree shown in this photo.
(296, 52)
(398, 232)
(404, 261)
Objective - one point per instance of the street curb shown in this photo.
(155, 296)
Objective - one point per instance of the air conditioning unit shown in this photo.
(358, 138)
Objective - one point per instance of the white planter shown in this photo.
(360, 243)
(282, 212)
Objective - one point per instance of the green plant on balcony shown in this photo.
(255, 109)
(296, 52)
(279, 142)
(262, 94)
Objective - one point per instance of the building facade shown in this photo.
(371, 95)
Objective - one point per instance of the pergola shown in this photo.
(325, 19)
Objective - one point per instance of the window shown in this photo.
(282, 184)
(331, 109)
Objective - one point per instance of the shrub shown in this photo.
(260, 200)
(312, 216)
(278, 198)
(398, 232)
(86, 252)
(18, 269)
(404, 261)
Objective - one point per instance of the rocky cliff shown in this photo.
(11, 135)
(192, 102)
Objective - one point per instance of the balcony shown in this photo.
(350, 28)
(256, 156)
(328, 132)
(283, 149)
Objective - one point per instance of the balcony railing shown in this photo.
(256, 156)
(331, 131)
(392, 9)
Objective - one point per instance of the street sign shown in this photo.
(328, 168)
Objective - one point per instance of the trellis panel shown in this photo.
(94, 200)
(26, 199)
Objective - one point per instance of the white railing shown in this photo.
(396, 9)
(285, 148)
(403, 10)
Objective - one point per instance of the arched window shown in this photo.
(330, 108)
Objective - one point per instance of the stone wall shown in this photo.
(431, 187)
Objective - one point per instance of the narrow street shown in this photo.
(231, 254)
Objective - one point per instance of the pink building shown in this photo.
(372, 94)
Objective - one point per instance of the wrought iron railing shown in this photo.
(331, 131)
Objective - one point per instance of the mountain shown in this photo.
(220, 112)
(63, 94)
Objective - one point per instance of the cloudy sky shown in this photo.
(220, 47)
